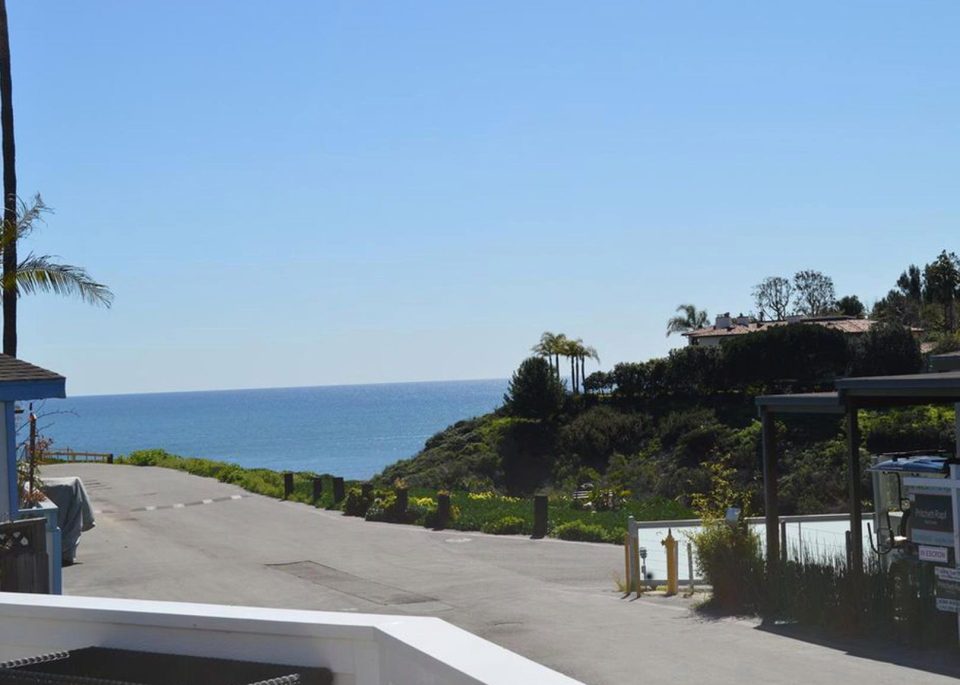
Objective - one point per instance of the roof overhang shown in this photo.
(894, 391)
(802, 403)
(870, 392)
(20, 380)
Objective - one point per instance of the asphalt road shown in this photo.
(163, 534)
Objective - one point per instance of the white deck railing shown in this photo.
(360, 649)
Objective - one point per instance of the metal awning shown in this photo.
(802, 403)
(892, 391)
(851, 395)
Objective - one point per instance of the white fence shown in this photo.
(812, 536)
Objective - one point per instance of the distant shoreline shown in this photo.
(287, 387)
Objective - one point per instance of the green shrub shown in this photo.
(508, 525)
(356, 504)
(384, 507)
(584, 532)
(729, 559)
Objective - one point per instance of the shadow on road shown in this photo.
(940, 661)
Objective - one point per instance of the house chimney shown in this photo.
(724, 321)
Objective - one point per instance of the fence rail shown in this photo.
(71, 456)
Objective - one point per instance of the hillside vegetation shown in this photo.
(650, 429)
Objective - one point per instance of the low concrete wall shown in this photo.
(361, 649)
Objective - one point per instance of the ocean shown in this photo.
(349, 430)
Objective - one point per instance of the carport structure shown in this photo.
(851, 395)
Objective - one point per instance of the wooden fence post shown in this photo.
(403, 498)
(317, 488)
(443, 510)
(287, 484)
(540, 516)
(338, 493)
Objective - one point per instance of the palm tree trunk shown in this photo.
(557, 364)
(583, 375)
(9, 295)
(573, 376)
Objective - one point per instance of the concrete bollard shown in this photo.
(366, 489)
(287, 484)
(403, 498)
(443, 510)
(317, 488)
(338, 493)
(540, 516)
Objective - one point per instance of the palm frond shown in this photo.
(28, 216)
(40, 274)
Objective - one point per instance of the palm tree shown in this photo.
(587, 352)
(9, 233)
(690, 319)
(547, 347)
(575, 350)
(551, 346)
(41, 273)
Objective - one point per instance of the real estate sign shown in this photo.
(948, 588)
(931, 519)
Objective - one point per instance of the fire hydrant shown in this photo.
(673, 563)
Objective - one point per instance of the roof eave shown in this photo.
(13, 391)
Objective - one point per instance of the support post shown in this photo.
(770, 501)
(338, 493)
(856, 495)
(443, 510)
(690, 565)
(287, 484)
(635, 574)
(783, 542)
(540, 516)
(403, 500)
(317, 488)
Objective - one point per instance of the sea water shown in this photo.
(350, 430)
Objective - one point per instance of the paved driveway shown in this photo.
(162, 534)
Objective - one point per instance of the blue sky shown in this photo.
(306, 193)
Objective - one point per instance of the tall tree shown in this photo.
(586, 352)
(534, 392)
(942, 280)
(910, 283)
(689, 318)
(850, 305)
(772, 297)
(815, 294)
(9, 295)
(551, 347)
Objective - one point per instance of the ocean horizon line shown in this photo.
(284, 387)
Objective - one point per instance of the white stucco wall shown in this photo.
(361, 649)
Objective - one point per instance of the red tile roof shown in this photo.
(847, 326)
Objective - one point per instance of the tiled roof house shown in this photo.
(727, 326)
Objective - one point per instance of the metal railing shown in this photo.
(71, 456)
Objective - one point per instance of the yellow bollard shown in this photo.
(673, 559)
